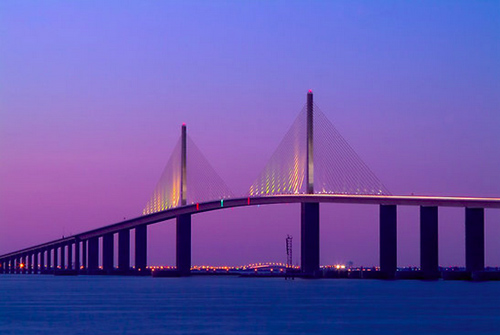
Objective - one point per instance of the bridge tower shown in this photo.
(309, 219)
(183, 225)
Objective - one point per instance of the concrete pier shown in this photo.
(48, 266)
(474, 239)
(309, 238)
(36, 262)
(183, 244)
(84, 255)
(42, 261)
(124, 250)
(56, 258)
(70, 256)
(388, 240)
(22, 261)
(93, 254)
(141, 247)
(77, 256)
(107, 252)
(28, 261)
(429, 259)
(63, 256)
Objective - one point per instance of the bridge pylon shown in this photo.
(309, 218)
(183, 222)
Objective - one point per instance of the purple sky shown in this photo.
(93, 94)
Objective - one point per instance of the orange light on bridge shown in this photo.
(21, 265)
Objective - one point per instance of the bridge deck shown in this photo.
(470, 202)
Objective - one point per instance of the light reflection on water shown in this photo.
(31, 304)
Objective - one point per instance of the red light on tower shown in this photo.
(310, 91)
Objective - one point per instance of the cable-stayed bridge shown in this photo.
(312, 164)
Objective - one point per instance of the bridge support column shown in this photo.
(124, 250)
(93, 257)
(49, 259)
(388, 240)
(183, 244)
(56, 258)
(429, 256)
(77, 256)
(70, 256)
(474, 239)
(42, 261)
(23, 262)
(36, 263)
(84, 255)
(28, 261)
(141, 248)
(309, 238)
(63, 257)
(107, 252)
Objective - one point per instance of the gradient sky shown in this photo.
(93, 94)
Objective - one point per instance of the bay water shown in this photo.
(44, 304)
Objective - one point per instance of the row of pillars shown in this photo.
(81, 255)
(54, 257)
(429, 255)
(38, 261)
(66, 256)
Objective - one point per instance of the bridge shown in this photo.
(312, 165)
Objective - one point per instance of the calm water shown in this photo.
(33, 304)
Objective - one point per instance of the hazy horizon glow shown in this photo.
(92, 97)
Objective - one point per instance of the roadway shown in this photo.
(439, 201)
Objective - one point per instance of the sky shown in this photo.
(93, 95)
